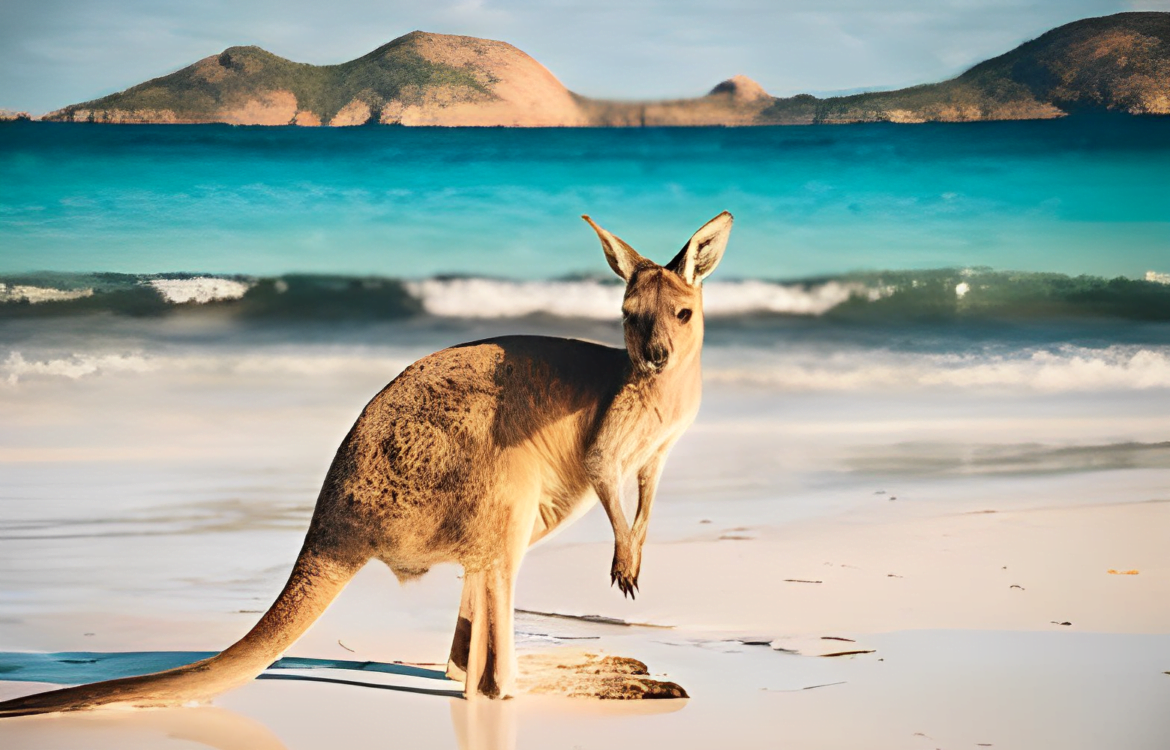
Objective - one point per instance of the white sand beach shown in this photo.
(996, 558)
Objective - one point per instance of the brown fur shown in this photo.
(471, 455)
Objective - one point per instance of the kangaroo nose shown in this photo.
(656, 354)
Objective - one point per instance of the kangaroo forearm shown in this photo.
(647, 491)
(642, 519)
(611, 499)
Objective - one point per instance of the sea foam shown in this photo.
(199, 290)
(794, 368)
(601, 300)
(39, 294)
(1065, 369)
(72, 367)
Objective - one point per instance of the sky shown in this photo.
(59, 52)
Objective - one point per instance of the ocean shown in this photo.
(1084, 195)
(192, 317)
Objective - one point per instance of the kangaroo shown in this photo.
(472, 455)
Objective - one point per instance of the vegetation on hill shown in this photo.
(230, 81)
(1119, 62)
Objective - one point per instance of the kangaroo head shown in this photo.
(662, 313)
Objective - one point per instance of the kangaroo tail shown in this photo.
(317, 578)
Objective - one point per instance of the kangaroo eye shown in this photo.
(684, 315)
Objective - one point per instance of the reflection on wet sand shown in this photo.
(484, 724)
(477, 724)
(204, 725)
(494, 725)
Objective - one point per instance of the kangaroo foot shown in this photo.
(586, 675)
(455, 672)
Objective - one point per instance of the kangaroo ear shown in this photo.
(623, 259)
(704, 250)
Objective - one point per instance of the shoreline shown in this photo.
(1077, 115)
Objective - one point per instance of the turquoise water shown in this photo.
(1075, 196)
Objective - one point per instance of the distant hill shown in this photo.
(1119, 62)
(417, 79)
(736, 101)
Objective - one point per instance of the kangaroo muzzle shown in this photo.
(656, 356)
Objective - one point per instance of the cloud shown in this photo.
(56, 52)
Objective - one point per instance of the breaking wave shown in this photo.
(932, 295)
(601, 300)
(262, 363)
(1064, 369)
(799, 368)
(200, 289)
(15, 367)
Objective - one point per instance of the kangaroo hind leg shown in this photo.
(490, 600)
(457, 661)
(491, 644)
